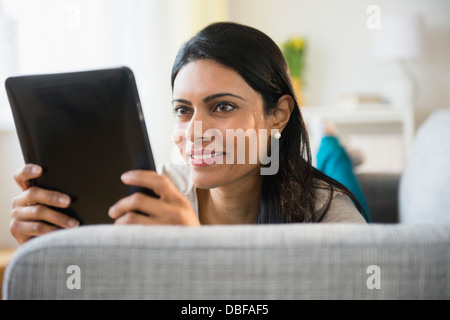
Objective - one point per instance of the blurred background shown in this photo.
(377, 69)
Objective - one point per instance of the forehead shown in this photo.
(205, 77)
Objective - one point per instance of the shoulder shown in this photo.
(341, 209)
(178, 173)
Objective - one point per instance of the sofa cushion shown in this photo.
(424, 195)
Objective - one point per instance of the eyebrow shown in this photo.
(210, 98)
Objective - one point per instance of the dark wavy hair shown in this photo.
(290, 194)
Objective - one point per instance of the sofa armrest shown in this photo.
(382, 193)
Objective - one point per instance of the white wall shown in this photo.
(10, 160)
(339, 57)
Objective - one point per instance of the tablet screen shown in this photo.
(85, 129)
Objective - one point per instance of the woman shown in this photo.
(227, 77)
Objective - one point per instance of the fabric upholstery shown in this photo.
(424, 187)
(381, 191)
(297, 261)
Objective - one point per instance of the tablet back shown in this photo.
(85, 129)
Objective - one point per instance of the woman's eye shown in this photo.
(223, 107)
(181, 111)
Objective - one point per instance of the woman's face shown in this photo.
(221, 129)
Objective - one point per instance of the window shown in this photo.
(46, 36)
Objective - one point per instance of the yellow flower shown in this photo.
(297, 42)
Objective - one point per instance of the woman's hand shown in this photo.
(172, 208)
(30, 216)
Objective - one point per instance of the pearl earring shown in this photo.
(277, 135)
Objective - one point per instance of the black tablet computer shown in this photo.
(85, 129)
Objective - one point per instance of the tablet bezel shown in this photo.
(93, 181)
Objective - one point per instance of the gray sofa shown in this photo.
(384, 260)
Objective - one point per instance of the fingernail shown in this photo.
(72, 223)
(64, 201)
(126, 176)
(111, 212)
(36, 169)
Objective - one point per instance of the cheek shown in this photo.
(178, 137)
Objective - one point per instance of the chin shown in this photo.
(208, 179)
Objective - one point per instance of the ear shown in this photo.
(283, 112)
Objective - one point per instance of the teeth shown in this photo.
(207, 156)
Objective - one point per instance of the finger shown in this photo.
(158, 212)
(160, 184)
(44, 214)
(137, 202)
(26, 230)
(35, 195)
(26, 173)
(134, 218)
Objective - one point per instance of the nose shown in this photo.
(197, 130)
(193, 133)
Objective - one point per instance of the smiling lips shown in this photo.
(204, 157)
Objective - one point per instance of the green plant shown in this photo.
(294, 52)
